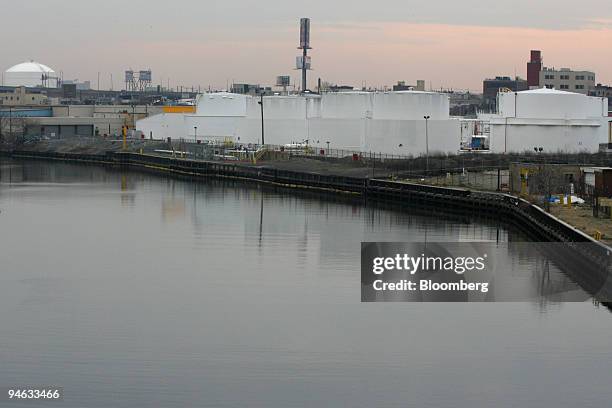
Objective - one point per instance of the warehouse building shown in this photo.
(65, 121)
(22, 96)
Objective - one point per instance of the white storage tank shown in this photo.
(550, 104)
(30, 74)
(553, 120)
(404, 105)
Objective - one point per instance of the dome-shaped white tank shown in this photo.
(29, 74)
(551, 104)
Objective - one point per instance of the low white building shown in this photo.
(557, 121)
(389, 122)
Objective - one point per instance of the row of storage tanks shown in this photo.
(405, 123)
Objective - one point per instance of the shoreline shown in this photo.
(589, 261)
(452, 199)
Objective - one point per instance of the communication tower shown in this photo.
(303, 62)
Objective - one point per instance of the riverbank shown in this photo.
(583, 255)
(100, 147)
(543, 225)
(582, 218)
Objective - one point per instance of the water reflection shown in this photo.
(227, 294)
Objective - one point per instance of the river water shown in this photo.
(130, 289)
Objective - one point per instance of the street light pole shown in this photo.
(11, 122)
(426, 117)
(263, 142)
(195, 133)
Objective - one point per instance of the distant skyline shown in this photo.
(449, 44)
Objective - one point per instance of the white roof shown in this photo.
(30, 66)
(548, 91)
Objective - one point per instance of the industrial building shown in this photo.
(401, 86)
(491, 87)
(73, 120)
(603, 91)
(565, 79)
(19, 96)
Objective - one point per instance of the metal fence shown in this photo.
(230, 151)
(488, 180)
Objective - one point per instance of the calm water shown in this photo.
(135, 290)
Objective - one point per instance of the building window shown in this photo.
(549, 76)
(591, 78)
(564, 86)
(549, 86)
(579, 77)
(579, 86)
(566, 77)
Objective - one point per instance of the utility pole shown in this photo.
(134, 117)
(426, 117)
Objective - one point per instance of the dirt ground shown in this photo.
(340, 168)
(346, 168)
(582, 218)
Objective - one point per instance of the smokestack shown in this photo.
(534, 66)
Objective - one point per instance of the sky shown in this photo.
(210, 43)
